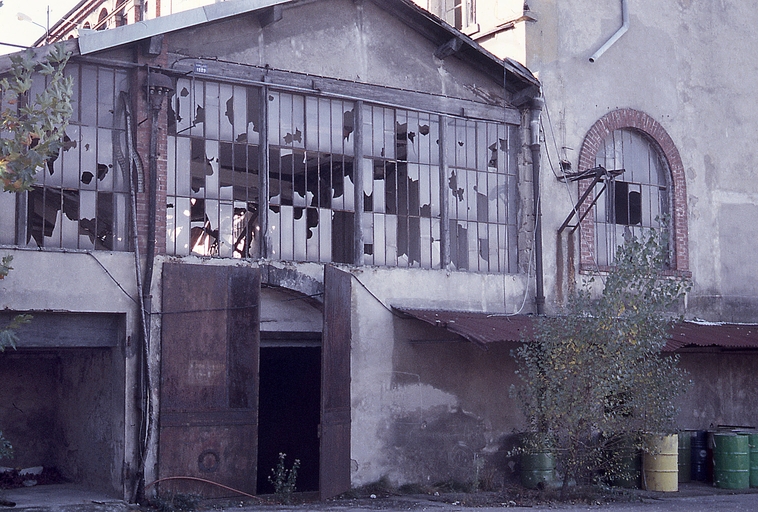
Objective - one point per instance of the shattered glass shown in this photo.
(80, 201)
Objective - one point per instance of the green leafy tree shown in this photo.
(594, 377)
(31, 133)
(33, 127)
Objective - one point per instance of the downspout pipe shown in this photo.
(534, 128)
(615, 37)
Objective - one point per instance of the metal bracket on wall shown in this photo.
(597, 174)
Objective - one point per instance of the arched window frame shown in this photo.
(641, 122)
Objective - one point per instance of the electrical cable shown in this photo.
(113, 278)
(196, 479)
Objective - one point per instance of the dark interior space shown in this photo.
(59, 407)
(288, 413)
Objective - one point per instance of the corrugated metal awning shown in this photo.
(484, 328)
(478, 327)
(713, 334)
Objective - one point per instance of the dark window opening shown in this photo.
(102, 20)
(627, 204)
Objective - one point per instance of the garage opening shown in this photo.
(289, 407)
(61, 402)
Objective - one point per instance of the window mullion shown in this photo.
(358, 178)
(444, 212)
(263, 177)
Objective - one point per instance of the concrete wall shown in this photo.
(426, 403)
(79, 414)
(724, 392)
(60, 409)
(355, 41)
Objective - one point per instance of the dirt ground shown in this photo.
(380, 498)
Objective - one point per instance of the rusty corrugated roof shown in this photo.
(484, 328)
(478, 327)
(713, 334)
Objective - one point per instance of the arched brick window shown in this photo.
(653, 184)
(102, 20)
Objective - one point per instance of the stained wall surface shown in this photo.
(677, 63)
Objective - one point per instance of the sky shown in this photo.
(13, 30)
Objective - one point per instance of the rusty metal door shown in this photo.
(335, 384)
(209, 376)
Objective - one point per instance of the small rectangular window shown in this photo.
(459, 13)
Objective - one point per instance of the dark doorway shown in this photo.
(289, 410)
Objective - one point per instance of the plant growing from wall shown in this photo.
(284, 479)
(594, 377)
(32, 127)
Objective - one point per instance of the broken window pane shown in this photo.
(64, 210)
(635, 199)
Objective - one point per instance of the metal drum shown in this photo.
(731, 460)
(752, 440)
(659, 463)
(685, 459)
(699, 455)
(536, 469)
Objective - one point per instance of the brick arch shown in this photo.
(627, 118)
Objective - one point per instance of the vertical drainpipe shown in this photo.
(534, 128)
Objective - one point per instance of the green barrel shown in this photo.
(626, 464)
(753, 444)
(537, 469)
(731, 461)
(685, 458)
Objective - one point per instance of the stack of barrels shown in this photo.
(726, 457)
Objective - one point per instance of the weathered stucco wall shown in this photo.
(724, 392)
(682, 64)
(77, 416)
(354, 41)
(427, 405)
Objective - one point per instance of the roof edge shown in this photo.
(91, 41)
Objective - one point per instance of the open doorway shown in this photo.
(289, 407)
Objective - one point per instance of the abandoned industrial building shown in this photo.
(315, 227)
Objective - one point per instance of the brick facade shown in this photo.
(628, 118)
(142, 112)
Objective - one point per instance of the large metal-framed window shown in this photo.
(81, 199)
(213, 184)
(482, 195)
(401, 184)
(314, 167)
(311, 191)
